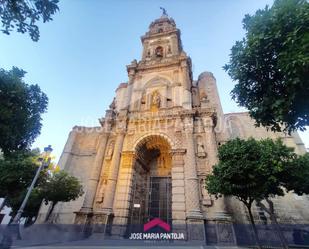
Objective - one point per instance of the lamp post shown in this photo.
(45, 161)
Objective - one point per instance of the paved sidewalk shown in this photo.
(129, 247)
(116, 244)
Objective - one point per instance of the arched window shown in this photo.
(148, 53)
(159, 51)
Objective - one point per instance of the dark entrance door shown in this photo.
(152, 199)
(159, 204)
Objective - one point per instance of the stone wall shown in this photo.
(290, 208)
(77, 159)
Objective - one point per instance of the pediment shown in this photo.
(157, 81)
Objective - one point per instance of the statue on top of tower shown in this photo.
(164, 12)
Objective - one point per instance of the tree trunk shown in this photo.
(279, 231)
(256, 234)
(50, 211)
(273, 218)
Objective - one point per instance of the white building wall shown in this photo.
(6, 211)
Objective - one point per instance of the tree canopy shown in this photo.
(271, 63)
(16, 174)
(61, 187)
(247, 169)
(22, 15)
(21, 107)
(254, 170)
(296, 178)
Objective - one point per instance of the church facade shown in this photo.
(157, 142)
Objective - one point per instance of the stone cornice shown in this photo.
(178, 151)
(80, 154)
(162, 113)
(128, 153)
(164, 63)
(148, 36)
(167, 113)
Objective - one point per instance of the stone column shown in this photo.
(211, 142)
(175, 48)
(123, 193)
(191, 180)
(178, 191)
(186, 97)
(194, 215)
(113, 174)
(95, 175)
(217, 214)
(128, 102)
(219, 205)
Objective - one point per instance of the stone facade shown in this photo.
(162, 125)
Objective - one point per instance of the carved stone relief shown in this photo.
(201, 152)
(206, 199)
(156, 99)
(110, 150)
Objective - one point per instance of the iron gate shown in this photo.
(150, 200)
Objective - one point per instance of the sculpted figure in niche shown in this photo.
(200, 148)
(110, 151)
(143, 102)
(143, 99)
(156, 100)
(100, 195)
(205, 196)
(169, 50)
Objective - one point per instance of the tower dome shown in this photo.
(162, 24)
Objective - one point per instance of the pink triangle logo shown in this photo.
(157, 222)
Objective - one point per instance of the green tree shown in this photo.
(33, 205)
(271, 66)
(60, 187)
(21, 107)
(251, 171)
(296, 178)
(22, 15)
(16, 173)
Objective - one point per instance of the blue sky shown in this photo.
(81, 56)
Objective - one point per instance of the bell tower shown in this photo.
(162, 40)
(163, 76)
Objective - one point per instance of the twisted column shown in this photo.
(191, 180)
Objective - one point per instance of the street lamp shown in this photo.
(45, 161)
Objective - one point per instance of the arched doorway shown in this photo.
(151, 195)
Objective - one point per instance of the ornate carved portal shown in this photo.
(152, 188)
